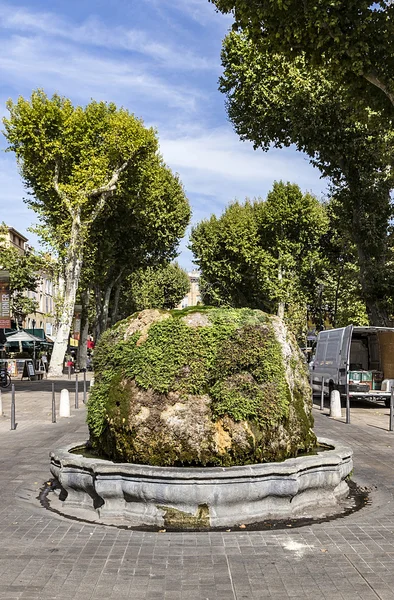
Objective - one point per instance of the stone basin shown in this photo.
(143, 495)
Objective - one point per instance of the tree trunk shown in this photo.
(115, 303)
(82, 345)
(72, 274)
(371, 246)
(102, 308)
(105, 308)
(281, 305)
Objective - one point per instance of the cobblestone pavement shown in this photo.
(44, 556)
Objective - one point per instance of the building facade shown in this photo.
(16, 240)
(193, 297)
(44, 316)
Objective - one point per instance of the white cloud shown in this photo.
(215, 164)
(38, 63)
(94, 33)
(201, 11)
(13, 211)
(130, 66)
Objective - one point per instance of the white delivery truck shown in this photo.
(359, 357)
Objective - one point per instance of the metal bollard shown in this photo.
(391, 409)
(76, 391)
(53, 404)
(69, 371)
(84, 387)
(322, 395)
(347, 404)
(13, 424)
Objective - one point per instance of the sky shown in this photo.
(161, 60)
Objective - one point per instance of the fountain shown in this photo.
(200, 418)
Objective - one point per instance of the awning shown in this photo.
(22, 336)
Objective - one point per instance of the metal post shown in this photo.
(84, 387)
(391, 409)
(347, 404)
(53, 404)
(311, 383)
(322, 395)
(69, 371)
(76, 391)
(13, 425)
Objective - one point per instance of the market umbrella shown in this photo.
(23, 336)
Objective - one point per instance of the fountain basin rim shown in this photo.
(339, 453)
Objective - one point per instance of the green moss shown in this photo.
(243, 399)
(178, 518)
(234, 359)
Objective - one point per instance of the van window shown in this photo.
(320, 352)
(331, 353)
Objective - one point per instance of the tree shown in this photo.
(154, 287)
(24, 272)
(271, 99)
(337, 297)
(73, 160)
(234, 265)
(291, 225)
(262, 254)
(352, 40)
(144, 229)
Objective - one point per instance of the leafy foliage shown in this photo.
(160, 287)
(273, 98)
(263, 253)
(353, 41)
(77, 161)
(140, 231)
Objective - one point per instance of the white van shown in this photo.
(359, 357)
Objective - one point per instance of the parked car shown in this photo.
(360, 358)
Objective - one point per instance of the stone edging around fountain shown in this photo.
(141, 495)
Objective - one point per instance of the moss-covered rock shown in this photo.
(200, 387)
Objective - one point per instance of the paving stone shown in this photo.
(44, 556)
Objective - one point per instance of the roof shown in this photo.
(13, 230)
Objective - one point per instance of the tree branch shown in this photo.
(111, 185)
(373, 78)
(59, 192)
(106, 190)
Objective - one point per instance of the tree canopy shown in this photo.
(272, 99)
(262, 254)
(76, 162)
(289, 250)
(352, 39)
(143, 228)
(162, 286)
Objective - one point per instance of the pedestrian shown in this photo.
(44, 360)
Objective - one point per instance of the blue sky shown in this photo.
(161, 60)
